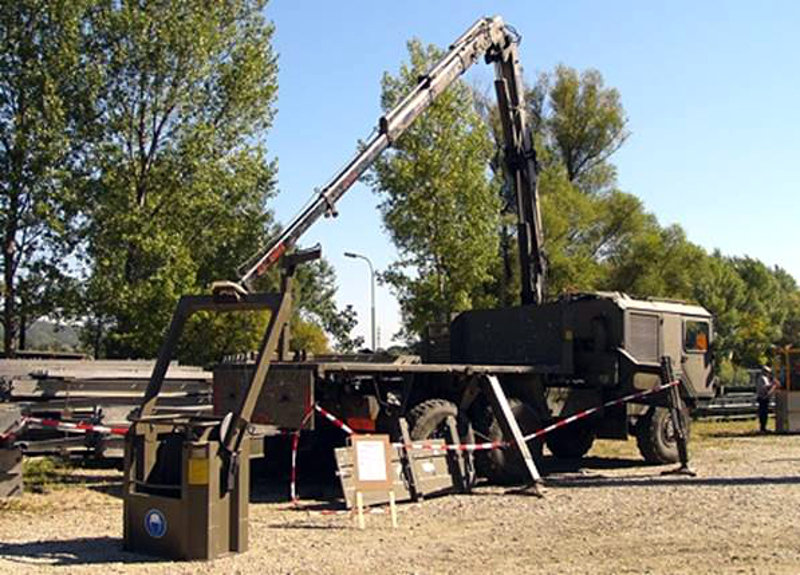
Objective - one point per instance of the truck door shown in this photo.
(672, 336)
(696, 358)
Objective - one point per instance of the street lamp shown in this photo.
(372, 291)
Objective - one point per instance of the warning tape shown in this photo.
(502, 444)
(295, 444)
(487, 446)
(587, 412)
(470, 447)
(334, 420)
(74, 427)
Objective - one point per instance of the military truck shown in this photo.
(552, 358)
(591, 347)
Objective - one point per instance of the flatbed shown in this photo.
(321, 369)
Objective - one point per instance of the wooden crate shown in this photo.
(787, 411)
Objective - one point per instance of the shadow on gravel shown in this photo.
(264, 490)
(654, 481)
(558, 465)
(309, 526)
(83, 551)
(748, 433)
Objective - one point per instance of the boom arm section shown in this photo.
(488, 37)
(521, 170)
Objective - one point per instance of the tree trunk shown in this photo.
(9, 317)
(23, 327)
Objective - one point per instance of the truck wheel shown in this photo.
(505, 466)
(427, 419)
(656, 436)
(571, 442)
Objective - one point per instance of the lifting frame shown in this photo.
(186, 482)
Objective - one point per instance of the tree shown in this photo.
(585, 126)
(438, 203)
(720, 289)
(578, 124)
(764, 309)
(180, 176)
(314, 291)
(44, 85)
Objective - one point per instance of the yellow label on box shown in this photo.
(198, 472)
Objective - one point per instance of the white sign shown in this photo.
(371, 456)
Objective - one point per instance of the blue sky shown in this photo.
(711, 89)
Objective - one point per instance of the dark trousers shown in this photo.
(763, 412)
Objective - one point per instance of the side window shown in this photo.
(642, 341)
(695, 335)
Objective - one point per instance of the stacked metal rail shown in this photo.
(90, 393)
(732, 403)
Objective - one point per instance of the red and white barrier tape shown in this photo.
(334, 420)
(587, 412)
(486, 446)
(501, 444)
(74, 427)
(295, 444)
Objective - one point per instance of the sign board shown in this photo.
(372, 457)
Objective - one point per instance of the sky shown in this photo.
(711, 90)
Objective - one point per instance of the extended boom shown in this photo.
(488, 37)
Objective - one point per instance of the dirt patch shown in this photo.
(609, 514)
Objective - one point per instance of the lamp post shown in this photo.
(372, 291)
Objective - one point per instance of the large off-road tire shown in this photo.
(505, 466)
(571, 442)
(426, 420)
(656, 436)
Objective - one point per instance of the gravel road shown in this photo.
(610, 515)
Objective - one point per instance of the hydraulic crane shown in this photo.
(498, 44)
(193, 470)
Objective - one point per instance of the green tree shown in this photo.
(578, 124)
(764, 310)
(584, 126)
(44, 86)
(720, 289)
(437, 200)
(180, 177)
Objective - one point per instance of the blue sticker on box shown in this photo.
(155, 523)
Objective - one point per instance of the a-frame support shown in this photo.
(511, 431)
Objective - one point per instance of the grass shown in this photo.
(42, 474)
(720, 433)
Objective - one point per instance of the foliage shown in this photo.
(578, 124)
(437, 201)
(308, 336)
(765, 299)
(44, 85)
(180, 181)
(314, 290)
(599, 238)
(41, 474)
(585, 127)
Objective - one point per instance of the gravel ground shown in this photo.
(611, 515)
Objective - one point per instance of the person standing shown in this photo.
(765, 385)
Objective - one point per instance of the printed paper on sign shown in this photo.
(371, 460)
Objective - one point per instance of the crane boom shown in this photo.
(488, 37)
